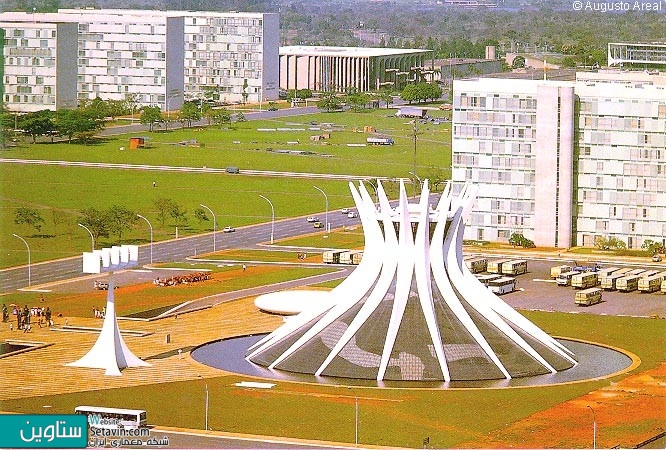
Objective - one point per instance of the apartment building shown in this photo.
(40, 64)
(564, 161)
(228, 56)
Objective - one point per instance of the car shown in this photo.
(229, 229)
(312, 219)
(344, 210)
(352, 214)
(318, 224)
(656, 257)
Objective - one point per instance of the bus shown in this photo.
(514, 267)
(496, 265)
(649, 273)
(476, 264)
(565, 278)
(103, 417)
(588, 297)
(557, 270)
(651, 284)
(584, 280)
(502, 285)
(485, 279)
(663, 287)
(627, 284)
(604, 273)
(634, 272)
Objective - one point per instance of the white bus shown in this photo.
(477, 264)
(557, 270)
(652, 283)
(496, 265)
(502, 285)
(584, 280)
(649, 273)
(627, 284)
(485, 279)
(588, 297)
(565, 278)
(514, 267)
(103, 417)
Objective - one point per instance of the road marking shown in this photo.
(544, 281)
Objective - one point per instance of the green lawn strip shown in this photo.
(144, 297)
(257, 255)
(386, 416)
(338, 238)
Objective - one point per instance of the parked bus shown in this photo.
(332, 256)
(565, 278)
(609, 282)
(496, 265)
(663, 287)
(603, 273)
(477, 265)
(514, 267)
(103, 417)
(584, 280)
(634, 272)
(557, 270)
(502, 285)
(351, 257)
(627, 284)
(651, 284)
(485, 279)
(649, 273)
(588, 297)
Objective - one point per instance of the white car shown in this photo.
(344, 210)
(352, 214)
(312, 219)
(229, 229)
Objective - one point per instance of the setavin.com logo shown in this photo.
(43, 431)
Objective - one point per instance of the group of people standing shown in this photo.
(25, 316)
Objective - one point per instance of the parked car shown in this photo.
(312, 219)
(229, 229)
(656, 257)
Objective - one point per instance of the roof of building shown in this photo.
(536, 74)
(318, 50)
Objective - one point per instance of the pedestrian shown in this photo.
(41, 297)
(244, 267)
(154, 183)
(47, 314)
(5, 313)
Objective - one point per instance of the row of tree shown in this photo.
(115, 220)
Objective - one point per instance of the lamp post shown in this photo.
(326, 213)
(206, 404)
(151, 236)
(272, 216)
(355, 416)
(28, 247)
(92, 238)
(417, 178)
(214, 224)
(414, 169)
(171, 96)
(594, 428)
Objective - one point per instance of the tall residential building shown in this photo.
(563, 162)
(40, 66)
(228, 56)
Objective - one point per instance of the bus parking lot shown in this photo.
(535, 290)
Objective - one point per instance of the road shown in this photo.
(172, 250)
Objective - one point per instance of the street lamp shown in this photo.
(417, 178)
(28, 247)
(170, 97)
(92, 238)
(594, 428)
(206, 420)
(214, 223)
(414, 169)
(355, 416)
(272, 216)
(151, 236)
(326, 214)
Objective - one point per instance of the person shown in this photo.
(47, 315)
(5, 313)
(154, 183)
(244, 267)
(41, 297)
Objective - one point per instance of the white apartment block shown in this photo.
(35, 54)
(231, 56)
(563, 161)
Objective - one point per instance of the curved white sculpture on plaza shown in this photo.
(412, 310)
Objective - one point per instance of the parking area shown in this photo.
(535, 290)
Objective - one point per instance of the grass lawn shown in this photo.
(339, 239)
(386, 416)
(141, 297)
(59, 193)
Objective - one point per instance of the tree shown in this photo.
(150, 115)
(609, 243)
(652, 247)
(240, 117)
(410, 93)
(30, 217)
(96, 221)
(386, 97)
(517, 239)
(120, 219)
(221, 116)
(79, 123)
(330, 102)
(189, 112)
(37, 123)
(163, 206)
(272, 106)
(518, 62)
(200, 215)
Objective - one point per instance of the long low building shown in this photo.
(338, 68)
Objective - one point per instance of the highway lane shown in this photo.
(173, 250)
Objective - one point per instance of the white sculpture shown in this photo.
(110, 351)
(412, 310)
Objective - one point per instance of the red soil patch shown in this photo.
(627, 413)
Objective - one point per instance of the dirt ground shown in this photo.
(617, 408)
